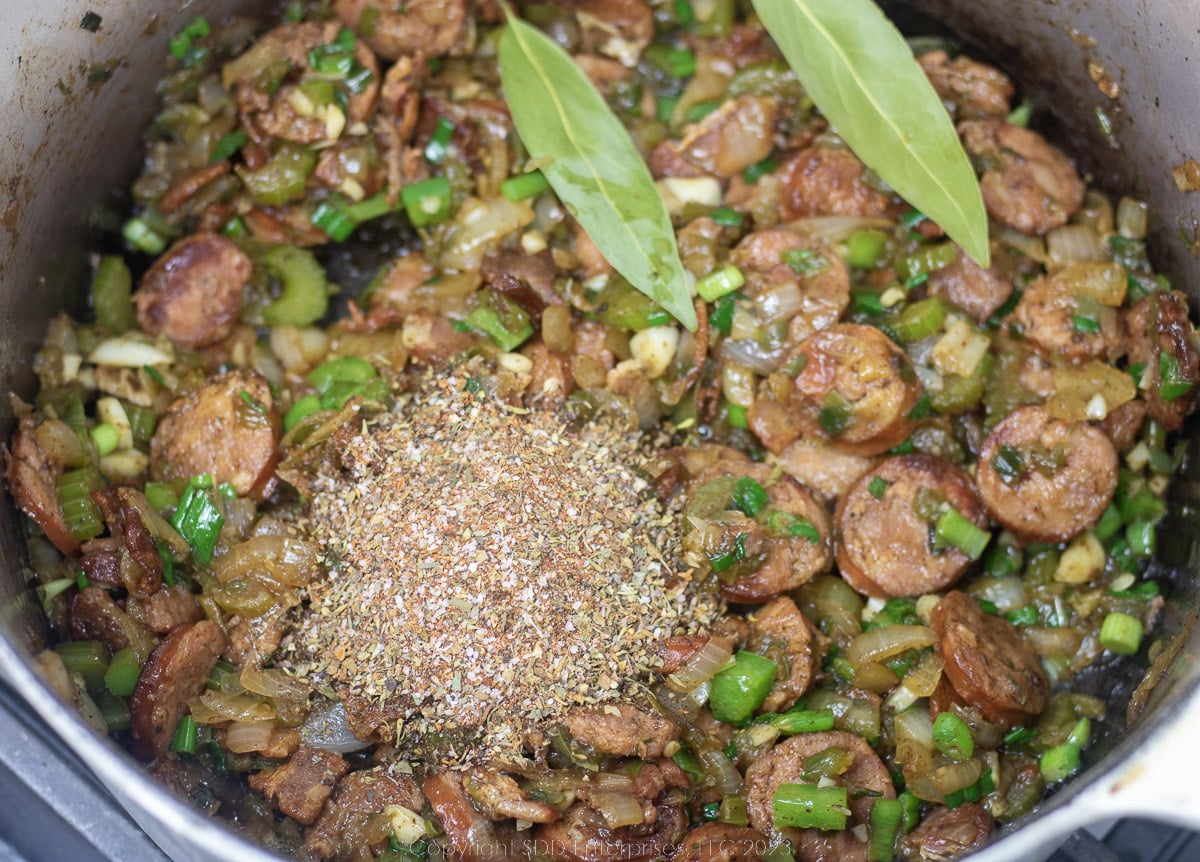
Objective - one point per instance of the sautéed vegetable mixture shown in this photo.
(379, 515)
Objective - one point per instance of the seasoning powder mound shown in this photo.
(490, 570)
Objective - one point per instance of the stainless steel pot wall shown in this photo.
(69, 136)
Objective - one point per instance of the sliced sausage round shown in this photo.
(228, 427)
(948, 833)
(987, 662)
(974, 89)
(823, 278)
(884, 547)
(721, 842)
(1030, 185)
(780, 632)
(33, 481)
(821, 181)
(423, 27)
(1047, 314)
(867, 778)
(856, 389)
(174, 674)
(977, 291)
(1044, 478)
(193, 293)
(1159, 337)
(822, 468)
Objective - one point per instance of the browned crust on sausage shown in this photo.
(821, 181)
(425, 28)
(780, 632)
(977, 291)
(1048, 506)
(357, 796)
(949, 833)
(867, 369)
(95, 615)
(33, 482)
(193, 293)
(214, 430)
(988, 662)
(300, 787)
(630, 732)
(1155, 325)
(580, 836)
(174, 674)
(784, 764)
(883, 545)
(184, 188)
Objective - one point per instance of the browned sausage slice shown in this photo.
(33, 481)
(977, 291)
(884, 547)
(948, 833)
(580, 836)
(175, 673)
(1032, 186)
(823, 181)
(987, 661)
(193, 293)
(724, 143)
(822, 468)
(1157, 327)
(1049, 307)
(630, 732)
(1046, 479)
(301, 786)
(472, 836)
(974, 89)
(228, 427)
(780, 632)
(866, 779)
(424, 27)
(721, 842)
(856, 389)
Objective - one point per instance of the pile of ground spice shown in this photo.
(490, 569)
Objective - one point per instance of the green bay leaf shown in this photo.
(592, 165)
(861, 74)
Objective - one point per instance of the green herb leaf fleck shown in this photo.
(592, 164)
(860, 72)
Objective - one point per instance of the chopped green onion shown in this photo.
(1026, 616)
(886, 815)
(952, 737)
(180, 44)
(1142, 539)
(186, 736)
(74, 492)
(801, 721)
(973, 793)
(249, 401)
(1109, 523)
(235, 228)
(989, 607)
(686, 760)
(524, 186)
(721, 316)
(1020, 115)
(501, 319)
(89, 659)
(720, 282)
(1059, 762)
(81, 580)
(806, 806)
(302, 409)
(685, 15)
(864, 248)
(709, 812)
(737, 417)
(664, 107)
(1019, 735)
(227, 490)
(910, 804)
(1003, 558)
(726, 217)
(781, 523)
(343, 369)
(956, 531)
(357, 79)
(371, 208)
(123, 672)
(733, 810)
(676, 62)
(161, 495)
(749, 496)
(143, 237)
(877, 487)
(700, 110)
(1144, 591)
(920, 320)
(739, 689)
(221, 671)
(1171, 382)
(198, 521)
(725, 561)
(1121, 633)
(836, 413)
(227, 146)
(427, 202)
(168, 562)
(1080, 733)
(111, 289)
(106, 437)
(911, 218)
(439, 141)
(867, 302)
(332, 218)
(1085, 324)
(803, 261)
(758, 170)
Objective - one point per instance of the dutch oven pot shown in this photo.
(75, 102)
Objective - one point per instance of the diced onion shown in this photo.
(833, 229)
(478, 226)
(1053, 641)
(128, 352)
(278, 561)
(1006, 593)
(617, 809)
(243, 737)
(1074, 243)
(888, 641)
(273, 683)
(913, 731)
(779, 303)
(960, 350)
(1033, 247)
(873, 676)
(702, 666)
(1132, 217)
(737, 384)
(750, 354)
(924, 678)
(326, 729)
(721, 770)
(213, 707)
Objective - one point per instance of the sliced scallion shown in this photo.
(720, 282)
(954, 530)
(806, 806)
(1121, 633)
(952, 737)
(749, 496)
(886, 816)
